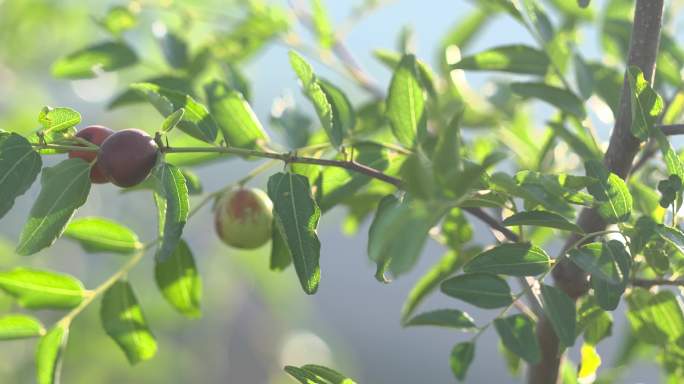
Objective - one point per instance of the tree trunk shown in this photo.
(619, 156)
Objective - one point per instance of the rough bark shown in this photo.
(618, 159)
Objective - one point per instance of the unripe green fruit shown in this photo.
(244, 217)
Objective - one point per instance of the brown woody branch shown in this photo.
(648, 283)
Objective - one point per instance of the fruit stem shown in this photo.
(66, 147)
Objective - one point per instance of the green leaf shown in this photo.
(174, 48)
(312, 89)
(337, 184)
(456, 229)
(406, 103)
(58, 119)
(517, 334)
(602, 260)
(179, 281)
(236, 119)
(36, 289)
(608, 294)
(317, 374)
(343, 112)
(669, 189)
(398, 232)
(322, 25)
(196, 121)
(610, 191)
(172, 120)
(584, 77)
(192, 181)
(461, 357)
(64, 188)
(132, 96)
(647, 105)
(392, 59)
(560, 310)
(513, 259)
(542, 219)
(416, 174)
(49, 355)
(446, 159)
(672, 160)
(172, 190)
(123, 320)
(88, 62)
(280, 252)
(303, 376)
(479, 289)
(296, 216)
(672, 235)
(449, 263)
(117, 20)
(18, 326)
(509, 58)
(594, 322)
(97, 234)
(560, 98)
(19, 167)
(328, 374)
(450, 318)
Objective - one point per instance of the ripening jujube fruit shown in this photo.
(127, 157)
(243, 218)
(95, 134)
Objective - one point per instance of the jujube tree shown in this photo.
(421, 159)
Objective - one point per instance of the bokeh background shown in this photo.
(255, 321)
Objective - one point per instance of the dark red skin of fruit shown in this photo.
(127, 157)
(95, 134)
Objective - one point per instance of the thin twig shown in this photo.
(647, 283)
(672, 129)
(292, 158)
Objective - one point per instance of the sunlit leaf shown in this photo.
(236, 119)
(123, 320)
(18, 326)
(38, 289)
(49, 355)
(58, 119)
(406, 103)
(97, 234)
(179, 281)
